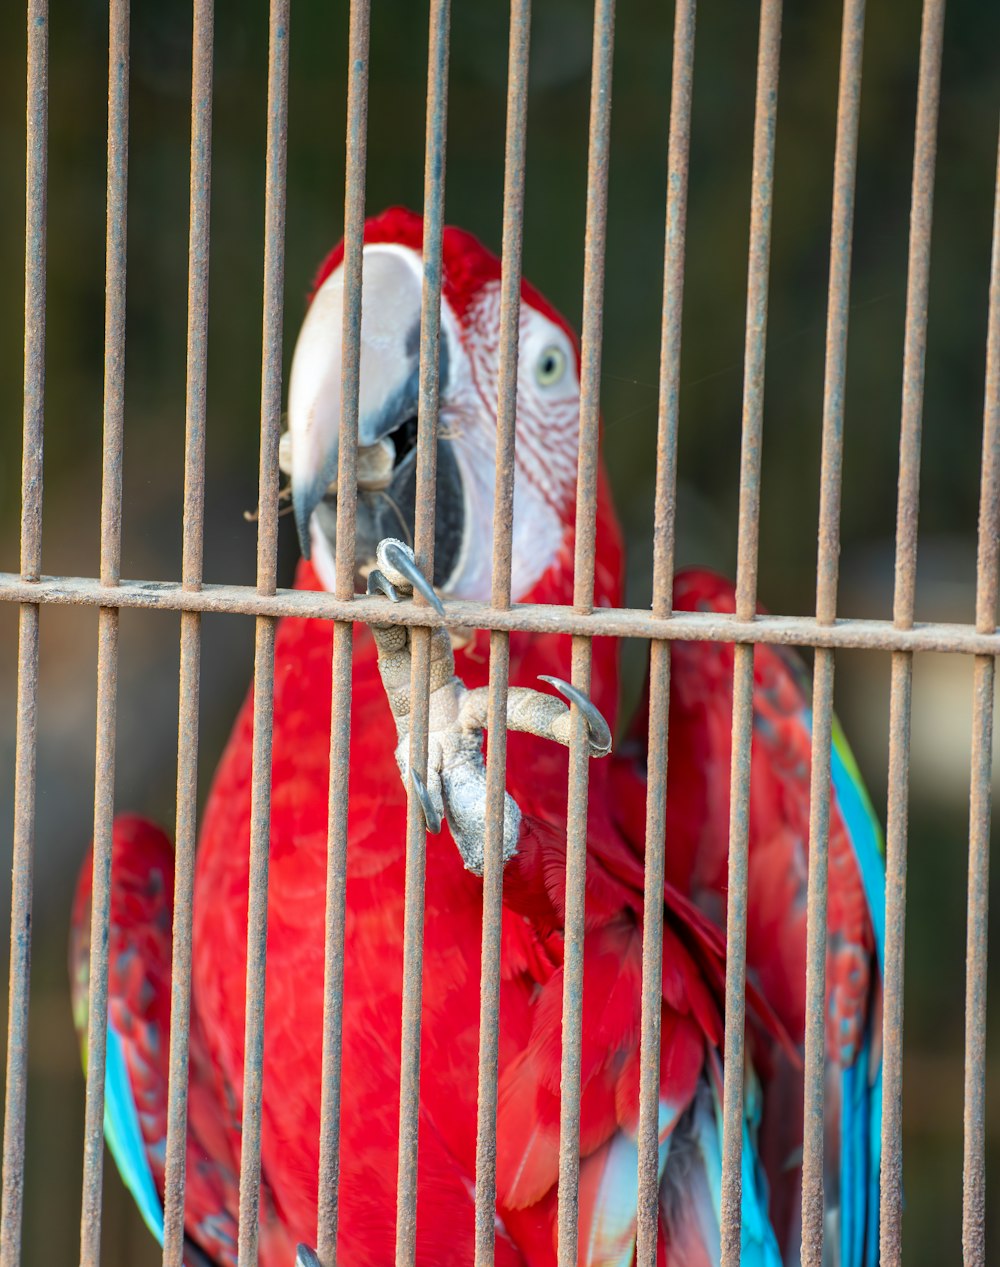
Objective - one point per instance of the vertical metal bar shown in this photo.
(838, 304)
(901, 688)
(36, 188)
(988, 583)
(185, 836)
(263, 683)
(682, 78)
(598, 159)
(107, 627)
(22, 880)
(340, 706)
(499, 681)
(762, 191)
(423, 545)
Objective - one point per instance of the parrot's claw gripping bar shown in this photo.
(398, 572)
(454, 787)
(431, 816)
(379, 583)
(305, 1257)
(600, 731)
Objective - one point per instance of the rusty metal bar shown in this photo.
(900, 699)
(762, 192)
(598, 159)
(606, 622)
(987, 585)
(340, 706)
(901, 689)
(20, 935)
(499, 680)
(186, 829)
(828, 558)
(668, 421)
(263, 684)
(107, 626)
(974, 1162)
(36, 189)
(23, 862)
(423, 547)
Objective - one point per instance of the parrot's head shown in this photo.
(548, 414)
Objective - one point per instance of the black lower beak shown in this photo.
(391, 512)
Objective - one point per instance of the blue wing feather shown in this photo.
(124, 1137)
(861, 1084)
(864, 831)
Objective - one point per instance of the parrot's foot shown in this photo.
(456, 772)
(306, 1257)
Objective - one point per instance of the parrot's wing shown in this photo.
(528, 1106)
(138, 1005)
(697, 853)
(136, 1071)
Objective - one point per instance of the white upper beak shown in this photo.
(392, 279)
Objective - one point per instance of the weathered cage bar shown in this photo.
(987, 589)
(827, 568)
(901, 689)
(343, 633)
(825, 632)
(263, 678)
(608, 622)
(499, 678)
(598, 157)
(186, 826)
(420, 644)
(762, 195)
(23, 845)
(668, 417)
(107, 627)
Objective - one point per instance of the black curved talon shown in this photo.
(306, 1257)
(379, 583)
(396, 555)
(600, 731)
(432, 818)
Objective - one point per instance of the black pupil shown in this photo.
(549, 365)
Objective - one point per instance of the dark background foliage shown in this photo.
(553, 254)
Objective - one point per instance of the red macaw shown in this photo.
(535, 820)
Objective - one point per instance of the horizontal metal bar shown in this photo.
(606, 622)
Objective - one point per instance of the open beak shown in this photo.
(390, 343)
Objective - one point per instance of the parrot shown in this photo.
(452, 797)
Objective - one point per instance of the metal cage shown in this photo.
(824, 631)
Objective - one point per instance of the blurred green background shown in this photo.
(553, 254)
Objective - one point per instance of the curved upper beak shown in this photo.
(390, 345)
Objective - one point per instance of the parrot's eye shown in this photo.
(550, 367)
